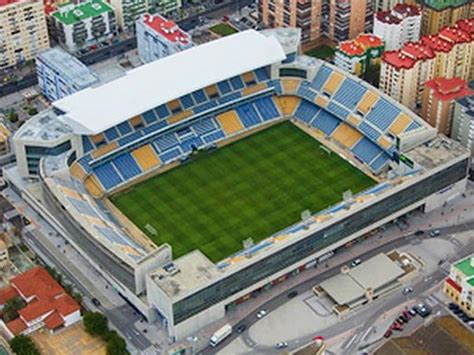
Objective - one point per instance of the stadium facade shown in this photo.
(105, 139)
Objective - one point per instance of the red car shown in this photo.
(387, 334)
(396, 326)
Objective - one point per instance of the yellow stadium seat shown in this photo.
(248, 77)
(78, 171)
(97, 139)
(93, 186)
(399, 125)
(230, 122)
(289, 85)
(180, 116)
(104, 150)
(333, 83)
(287, 104)
(174, 105)
(384, 142)
(146, 157)
(367, 102)
(346, 135)
(136, 121)
(211, 91)
(353, 120)
(253, 89)
(321, 101)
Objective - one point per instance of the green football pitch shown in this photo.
(251, 188)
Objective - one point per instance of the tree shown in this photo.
(115, 344)
(23, 345)
(32, 111)
(372, 74)
(12, 116)
(11, 308)
(95, 323)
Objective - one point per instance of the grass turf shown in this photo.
(223, 29)
(321, 52)
(251, 188)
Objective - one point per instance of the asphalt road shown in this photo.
(280, 299)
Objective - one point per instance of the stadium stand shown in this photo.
(346, 135)
(146, 157)
(287, 104)
(248, 115)
(306, 111)
(321, 76)
(325, 122)
(383, 114)
(333, 83)
(400, 124)
(266, 108)
(365, 150)
(350, 93)
(290, 86)
(368, 100)
(230, 122)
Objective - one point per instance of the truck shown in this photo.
(220, 335)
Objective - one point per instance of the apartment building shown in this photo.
(459, 285)
(164, 6)
(336, 20)
(441, 13)
(449, 54)
(23, 31)
(158, 37)
(463, 122)
(84, 24)
(439, 96)
(4, 139)
(128, 11)
(400, 25)
(60, 74)
(354, 56)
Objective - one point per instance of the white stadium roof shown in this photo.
(93, 110)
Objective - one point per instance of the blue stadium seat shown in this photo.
(369, 131)
(127, 166)
(321, 76)
(184, 133)
(107, 175)
(305, 92)
(150, 117)
(155, 127)
(205, 106)
(338, 110)
(191, 143)
(86, 143)
(187, 101)
(162, 111)
(166, 142)
(262, 74)
(266, 108)
(236, 83)
(325, 122)
(204, 126)
(84, 162)
(413, 125)
(130, 138)
(224, 87)
(124, 128)
(349, 93)
(383, 114)
(366, 150)
(111, 134)
(199, 96)
(170, 155)
(276, 85)
(230, 97)
(248, 115)
(213, 137)
(306, 111)
(379, 162)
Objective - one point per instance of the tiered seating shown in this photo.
(290, 86)
(187, 101)
(262, 74)
(93, 186)
(325, 122)
(155, 127)
(86, 143)
(248, 78)
(383, 114)
(346, 135)
(253, 89)
(229, 98)
(287, 104)
(236, 83)
(266, 108)
(136, 122)
(166, 142)
(306, 111)
(190, 144)
(321, 76)
(413, 125)
(211, 91)
(146, 157)
(130, 138)
(205, 106)
(162, 111)
(126, 165)
(111, 134)
(365, 150)
(104, 150)
(350, 93)
(333, 82)
(400, 124)
(224, 87)
(213, 137)
(304, 91)
(107, 175)
(276, 85)
(204, 126)
(230, 122)
(124, 128)
(150, 117)
(199, 96)
(338, 110)
(369, 131)
(174, 106)
(98, 139)
(379, 162)
(170, 155)
(180, 116)
(368, 100)
(248, 115)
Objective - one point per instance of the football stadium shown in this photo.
(198, 181)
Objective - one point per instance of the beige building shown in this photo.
(450, 54)
(23, 31)
(4, 257)
(439, 96)
(334, 20)
(438, 14)
(459, 285)
(4, 142)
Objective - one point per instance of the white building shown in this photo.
(463, 122)
(82, 25)
(61, 74)
(396, 27)
(158, 37)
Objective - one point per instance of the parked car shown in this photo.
(423, 310)
(262, 313)
(396, 326)
(293, 294)
(407, 290)
(453, 306)
(356, 262)
(412, 312)
(419, 232)
(281, 345)
(435, 233)
(95, 302)
(388, 333)
(407, 315)
(241, 328)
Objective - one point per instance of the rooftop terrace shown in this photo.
(69, 13)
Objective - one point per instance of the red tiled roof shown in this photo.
(407, 10)
(387, 17)
(351, 48)
(36, 309)
(66, 305)
(16, 326)
(167, 28)
(7, 294)
(7, 2)
(398, 13)
(54, 321)
(37, 282)
(448, 89)
(467, 25)
(369, 41)
(436, 43)
(454, 35)
(417, 51)
(453, 284)
(398, 60)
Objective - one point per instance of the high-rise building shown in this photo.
(84, 24)
(128, 11)
(404, 72)
(163, 6)
(336, 20)
(459, 285)
(23, 31)
(400, 25)
(354, 56)
(463, 122)
(158, 37)
(4, 139)
(440, 13)
(439, 96)
(61, 74)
